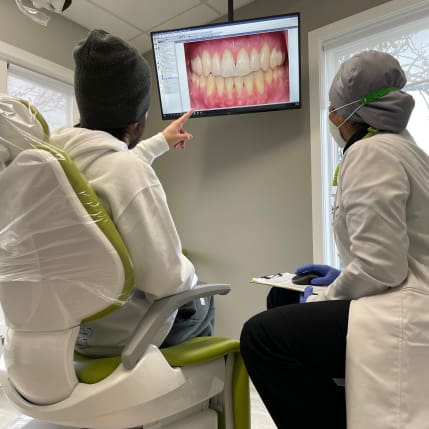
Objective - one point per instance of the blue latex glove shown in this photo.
(327, 273)
(307, 292)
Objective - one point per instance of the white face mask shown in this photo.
(335, 132)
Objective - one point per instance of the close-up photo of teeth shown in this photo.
(238, 71)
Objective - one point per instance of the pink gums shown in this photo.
(275, 92)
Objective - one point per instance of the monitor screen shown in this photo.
(235, 67)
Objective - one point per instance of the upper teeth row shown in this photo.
(227, 67)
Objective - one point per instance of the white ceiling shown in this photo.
(133, 20)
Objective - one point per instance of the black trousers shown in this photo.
(292, 353)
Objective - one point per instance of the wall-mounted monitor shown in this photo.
(235, 67)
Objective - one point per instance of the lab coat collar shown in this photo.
(358, 135)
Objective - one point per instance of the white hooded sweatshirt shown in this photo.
(133, 195)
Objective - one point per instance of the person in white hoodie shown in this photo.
(112, 87)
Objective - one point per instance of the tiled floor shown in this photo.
(10, 419)
(259, 414)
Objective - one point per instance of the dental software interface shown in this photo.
(217, 69)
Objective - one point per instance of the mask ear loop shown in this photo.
(375, 95)
(351, 114)
(372, 96)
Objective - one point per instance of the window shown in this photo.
(54, 99)
(400, 28)
(45, 84)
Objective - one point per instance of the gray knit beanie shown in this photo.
(112, 82)
(366, 74)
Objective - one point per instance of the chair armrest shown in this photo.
(154, 319)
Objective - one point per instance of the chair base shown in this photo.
(206, 419)
(130, 402)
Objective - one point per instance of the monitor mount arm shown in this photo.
(230, 10)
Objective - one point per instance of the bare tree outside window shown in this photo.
(52, 98)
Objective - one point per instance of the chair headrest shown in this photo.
(21, 127)
(57, 267)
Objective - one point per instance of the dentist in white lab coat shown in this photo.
(381, 226)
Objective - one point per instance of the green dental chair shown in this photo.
(62, 261)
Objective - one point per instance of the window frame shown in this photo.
(341, 32)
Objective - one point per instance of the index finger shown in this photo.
(185, 116)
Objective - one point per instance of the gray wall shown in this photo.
(241, 191)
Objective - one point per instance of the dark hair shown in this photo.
(119, 133)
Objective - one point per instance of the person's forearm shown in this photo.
(150, 149)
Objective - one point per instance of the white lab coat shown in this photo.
(381, 225)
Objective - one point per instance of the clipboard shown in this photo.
(284, 280)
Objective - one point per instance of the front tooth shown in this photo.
(220, 85)
(203, 82)
(265, 57)
(255, 64)
(197, 65)
(273, 58)
(211, 85)
(243, 63)
(282, 58)
(259, 82)
(206, 63)
(276, 59)
(216, 65)
(248, 83)
(238, 83)
(229, 84)
(227, 64)
(269, 77)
